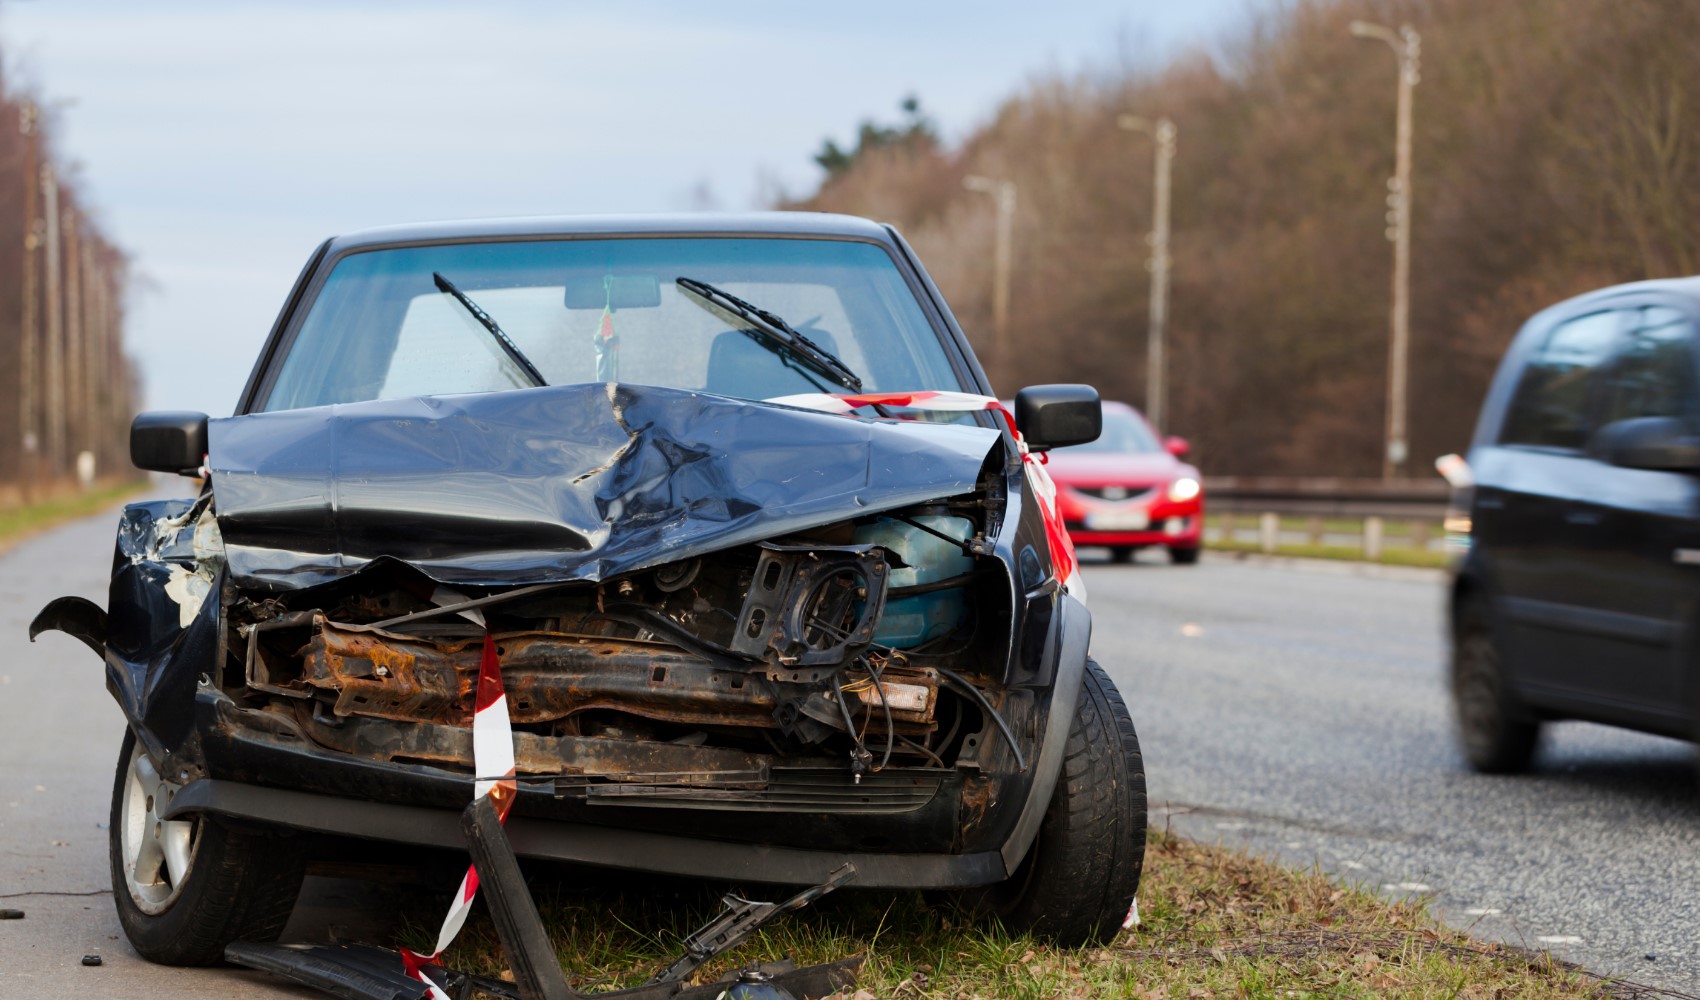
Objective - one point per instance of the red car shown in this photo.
(1130, 489)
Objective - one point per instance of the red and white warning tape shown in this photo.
(492, 754)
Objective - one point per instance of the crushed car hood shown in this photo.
(562, 483)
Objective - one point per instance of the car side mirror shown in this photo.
(1177, 446)
(1055, 416)
(169, 441)
(1649, 443)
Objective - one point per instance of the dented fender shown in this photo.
(162, 618)
(77, 617)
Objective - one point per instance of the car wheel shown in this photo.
(1121, 553)
(1080, 875)
(1183, 557)
(1497, 732)
(185, 888)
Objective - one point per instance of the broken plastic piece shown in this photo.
(353, 972)
(740, 919)
(78, 617)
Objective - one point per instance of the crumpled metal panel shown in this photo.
(576, 482)
(156, 642)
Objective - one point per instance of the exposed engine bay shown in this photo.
(844, 648)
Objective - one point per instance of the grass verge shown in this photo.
(1350, 553)
(17, 523)
(1217, 923)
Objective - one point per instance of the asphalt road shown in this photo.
(1298, 710)
(1294, 710)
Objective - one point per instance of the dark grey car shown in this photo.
(1579, 596)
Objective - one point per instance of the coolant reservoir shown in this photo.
(926, 558)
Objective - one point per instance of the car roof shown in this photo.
(1685, 287)
(801, 225)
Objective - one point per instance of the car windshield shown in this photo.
(596, 310)
(1123, 432)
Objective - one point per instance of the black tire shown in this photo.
(1497, 733)
(1079, 877)
(237, 885)
(1183, 557)
(1121, 553)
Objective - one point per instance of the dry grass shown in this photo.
(1216, 923)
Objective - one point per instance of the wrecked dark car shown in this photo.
(774, 582)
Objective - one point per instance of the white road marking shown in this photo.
(1559, 939)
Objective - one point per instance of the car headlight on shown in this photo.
(1184, 488)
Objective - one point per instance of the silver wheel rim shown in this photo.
(157, 853)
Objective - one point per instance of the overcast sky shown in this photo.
(220, 142)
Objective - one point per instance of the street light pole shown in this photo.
(1407, 48)
(1002, 254)
(1163, 134)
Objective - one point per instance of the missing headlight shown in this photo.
(811, 606)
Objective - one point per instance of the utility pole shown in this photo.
(29, 380)
(74, 401)
(1407, 49)
(1163, 134)
(54, 417)
(1003, 253)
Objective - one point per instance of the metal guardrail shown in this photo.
(1410, 499)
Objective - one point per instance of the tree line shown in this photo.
(67, 388)
(1554, 152)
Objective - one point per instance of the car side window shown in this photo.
(1550, 407)
(1653, 374)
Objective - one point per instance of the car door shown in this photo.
(1639, 551)
(1529, 479)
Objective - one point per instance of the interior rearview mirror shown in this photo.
(1056, 416)
(616, 291)
(169, 441)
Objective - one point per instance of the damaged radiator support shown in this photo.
(549, 677)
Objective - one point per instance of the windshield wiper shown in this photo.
(513, 352)
(776, 334)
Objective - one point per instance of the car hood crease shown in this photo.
(555, 484)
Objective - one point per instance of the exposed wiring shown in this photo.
(859, 756)
(955, 724)
(979, 696)
(948, 583)
(890, 727)
(935, 758)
